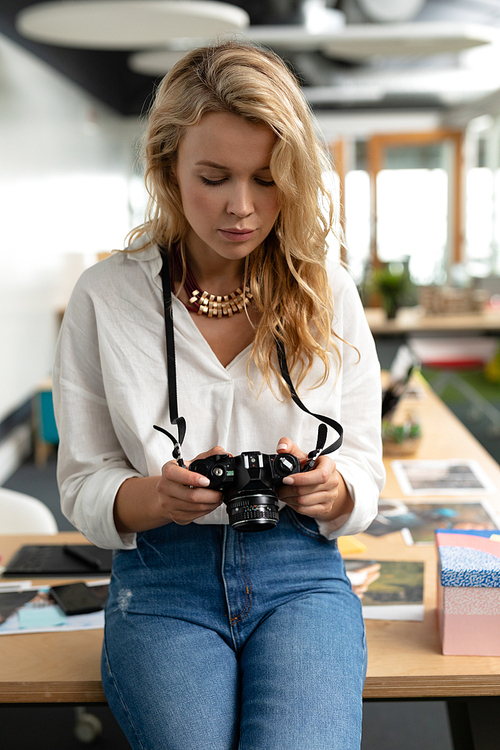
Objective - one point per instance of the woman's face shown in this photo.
(229, 198)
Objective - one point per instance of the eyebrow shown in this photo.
(214, 164)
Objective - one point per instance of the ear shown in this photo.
(173, 175)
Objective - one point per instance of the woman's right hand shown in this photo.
(183, 495)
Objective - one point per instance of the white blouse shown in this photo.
(110, 387)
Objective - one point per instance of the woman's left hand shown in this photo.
(320, 493)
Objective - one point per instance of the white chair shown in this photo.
(23, 514)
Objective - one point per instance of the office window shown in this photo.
(480, 187)
(412, 220)
(332, 184)
(416, 206)
(412, 209)
(357, 221)
(495, 248)
(401, 197)
(482, 226)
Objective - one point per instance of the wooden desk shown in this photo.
(405, 659)
(49, 667)
(414, 320)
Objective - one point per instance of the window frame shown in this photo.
(377, 146)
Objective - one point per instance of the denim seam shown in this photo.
(248, 586)
(224, 582)
(300, 526)
(118, 693)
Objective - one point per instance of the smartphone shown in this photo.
(76, 598)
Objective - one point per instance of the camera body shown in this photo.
(247, 483)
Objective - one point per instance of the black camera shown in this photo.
(247, 483)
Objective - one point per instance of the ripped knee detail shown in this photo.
(123, 600)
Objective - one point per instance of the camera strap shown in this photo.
(320, 449)
(175, 419)
(180, 422)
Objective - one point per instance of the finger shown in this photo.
(203, 481)
(172, 472)
(313, 511)
(285, 445)
(199, 496)
(188, 504)
(320, 475)
(307, 500)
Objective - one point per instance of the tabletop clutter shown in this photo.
(442, 300)
(469, 591)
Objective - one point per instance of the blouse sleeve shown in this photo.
(91, 463)
(359, 460)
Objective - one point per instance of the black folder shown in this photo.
(53, 560)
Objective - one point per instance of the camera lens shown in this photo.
(253, 511)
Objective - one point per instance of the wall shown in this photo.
(65, 167)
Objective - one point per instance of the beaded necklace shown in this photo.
(204, 303)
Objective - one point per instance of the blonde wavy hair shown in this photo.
(286, 274)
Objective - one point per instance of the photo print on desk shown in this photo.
(442, 477)
(11, 601)
(40, 614)
(418, 520)
(388, 589)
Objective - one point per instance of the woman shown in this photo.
(218, 639)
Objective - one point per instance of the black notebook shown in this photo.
(54, 560)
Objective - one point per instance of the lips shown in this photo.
(237, 234)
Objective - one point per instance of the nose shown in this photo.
(240, 202)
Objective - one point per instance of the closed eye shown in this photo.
(213, 182)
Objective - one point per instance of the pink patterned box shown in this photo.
(469, 592)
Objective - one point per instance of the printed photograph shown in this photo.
(388, 589)
(441, 477)
(418, 521)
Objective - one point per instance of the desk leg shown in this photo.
(474, 723)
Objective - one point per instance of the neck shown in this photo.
(218, 276)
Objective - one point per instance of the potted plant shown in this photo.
(392, 282)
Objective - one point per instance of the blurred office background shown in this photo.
(407, 97)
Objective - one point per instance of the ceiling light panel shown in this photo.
(357, 43)
(362, 42)
(127, 24)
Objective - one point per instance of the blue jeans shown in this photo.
(221, 640)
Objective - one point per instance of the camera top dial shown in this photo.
(285, 464)
(219, 469)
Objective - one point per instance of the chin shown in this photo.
(236, 251)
